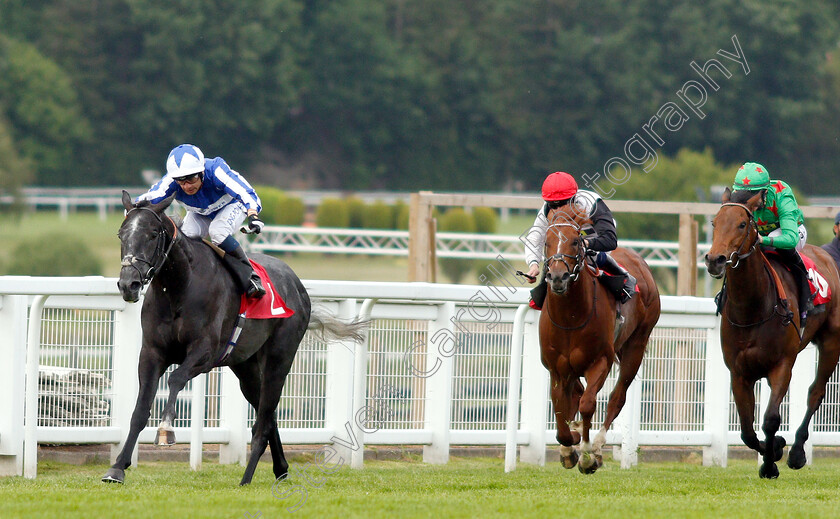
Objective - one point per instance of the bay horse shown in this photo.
(759, 336)
(578, 336)
(188, 316)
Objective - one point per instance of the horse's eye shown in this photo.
(743, 225)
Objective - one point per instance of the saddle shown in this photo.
(613, 282)
(819, 288)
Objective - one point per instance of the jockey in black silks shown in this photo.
(560, 189)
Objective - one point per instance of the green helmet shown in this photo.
(751, 175)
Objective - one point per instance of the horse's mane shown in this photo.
(569, 213)
(741, 197)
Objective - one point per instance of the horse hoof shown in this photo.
(165, 437)
(768, 471)
(796, 458)
(114, 476)
(590, 463)
(778, 448)
(571, 460)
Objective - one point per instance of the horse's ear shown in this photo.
(727, 196)
(757, 201)
(161, 207)
(126, 201)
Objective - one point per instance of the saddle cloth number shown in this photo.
(819, 282)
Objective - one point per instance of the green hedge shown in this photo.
(486, 220)
(278, 208)
(456, 219)
(356, 209)
(401, 215)
(378, 215)
(332, 212)
(54, 254)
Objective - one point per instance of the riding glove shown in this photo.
(253, 225)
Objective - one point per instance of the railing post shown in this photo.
(128, 338)
(199, 386)
(339, 404)
(234, 416)
(631, 422)
(716, 401)
(803, 374)
(33, 354)
(419, 238)
(534, 396)
(439, 384)
(12, 394)
(360, 365)
(687, 270)
(514, 378)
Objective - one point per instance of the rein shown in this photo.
(160, 254)
(752, 248)
(574, 274)
(588, 318)
(786, 315)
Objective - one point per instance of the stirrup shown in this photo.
(803, 322)
(629, 288)
(255, 288)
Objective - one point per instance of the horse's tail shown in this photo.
(330, 328)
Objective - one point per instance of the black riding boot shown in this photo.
(247, 280)
(539, 292)
(800, 273)
(608, 263)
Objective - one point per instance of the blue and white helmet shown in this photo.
(184, 160)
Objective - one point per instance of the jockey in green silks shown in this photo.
(780, 223)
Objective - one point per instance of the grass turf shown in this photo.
(462, 488)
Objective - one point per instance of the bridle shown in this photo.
(160, 255)
(736, 256)
(574, 273)
(735, 260)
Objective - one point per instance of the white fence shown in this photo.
(376, 242)
(439, 368)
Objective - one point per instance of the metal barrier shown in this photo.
(443, 365)
(380, 242)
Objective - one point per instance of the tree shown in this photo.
(43, 112)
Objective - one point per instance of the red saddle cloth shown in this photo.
(269, 306)
(819, 285)
(601, 273)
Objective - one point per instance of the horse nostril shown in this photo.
(548, 276)
(135, 286)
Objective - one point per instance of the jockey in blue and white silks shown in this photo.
(217, 200)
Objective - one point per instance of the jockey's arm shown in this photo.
(788, 224)
(162, 189)
(602, 220)
(790, 233)
(236, 186)
(534, 240)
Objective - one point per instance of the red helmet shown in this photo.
(559, 186)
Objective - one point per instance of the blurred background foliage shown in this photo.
(486, 95)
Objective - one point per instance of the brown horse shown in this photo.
(759, 333)
(579, 339)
